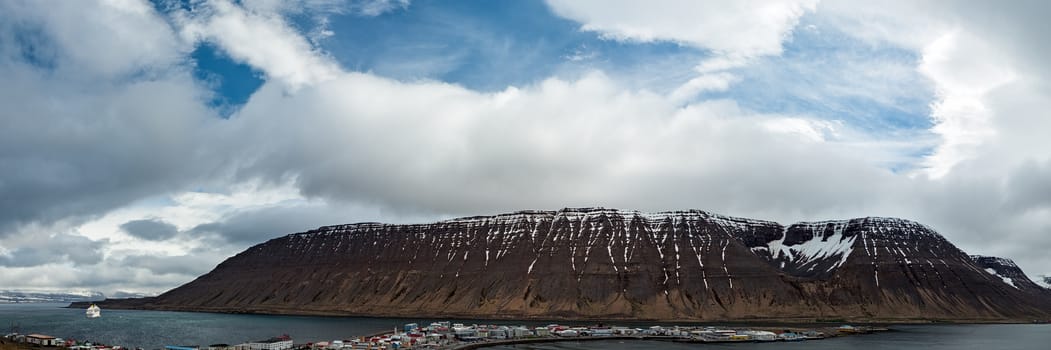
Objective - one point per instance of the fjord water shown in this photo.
(154, 329)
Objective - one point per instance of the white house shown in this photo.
(40, 339)
(278, 343)
(521, 332)
(568, 333)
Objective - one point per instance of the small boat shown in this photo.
(94, 311)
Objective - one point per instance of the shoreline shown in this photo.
(825, 333)
(480, 345)
(488, 344)
(809, 320)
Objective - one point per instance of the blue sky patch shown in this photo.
(487, 45)
(232, 82)
(33, 46)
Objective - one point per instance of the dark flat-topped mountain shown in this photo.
(610, 264)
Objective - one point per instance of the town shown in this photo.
(447, 335)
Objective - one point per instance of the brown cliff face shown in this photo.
(609, 264)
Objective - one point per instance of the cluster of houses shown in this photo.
(47, 340)
(283, 342)
(447, 335)
(35, 339)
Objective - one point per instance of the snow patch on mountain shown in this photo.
(818, 247)
(1007, 280)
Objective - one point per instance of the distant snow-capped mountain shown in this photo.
(14, 296)
(122, 295)
(1043, 281)
(21, 296)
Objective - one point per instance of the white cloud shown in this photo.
(746, 28)
(910, 24)
(260, 38)
(813, 130)
(186, 210)
(735, 31)
(720, 81)
(101, 118)
(95, 39)
(964, 71)
(558, 143)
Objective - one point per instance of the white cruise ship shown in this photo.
(94, 311)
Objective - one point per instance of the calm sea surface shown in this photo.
(154, 329)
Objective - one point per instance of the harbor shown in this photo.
(133, 329)
(447, 335)
(456, 336)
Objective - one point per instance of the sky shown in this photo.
(143, 142)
